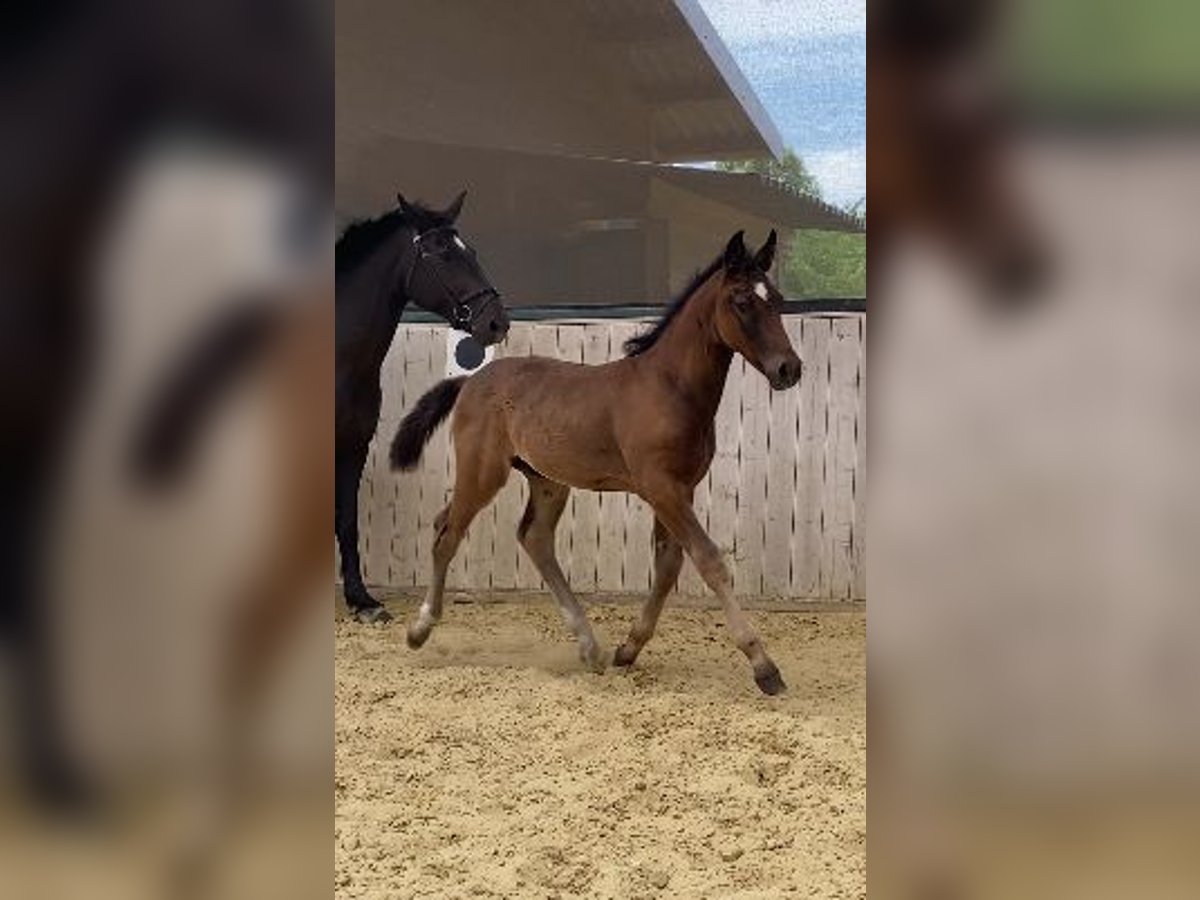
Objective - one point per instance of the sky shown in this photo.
(806, 60)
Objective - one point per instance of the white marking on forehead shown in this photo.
(761, 290)
(460, 243)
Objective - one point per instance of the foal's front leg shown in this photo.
(536, 533)
(672, 505)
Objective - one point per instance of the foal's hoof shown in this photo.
(624, 656)
(596, 660)
(371, 615)
(417, 635)
(769, 680)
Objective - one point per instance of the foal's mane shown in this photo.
(363, 236)
(640, 343)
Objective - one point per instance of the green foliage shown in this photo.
(825, 264)
(1097, 55)
(789, 170)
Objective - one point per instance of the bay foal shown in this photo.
(642, 424)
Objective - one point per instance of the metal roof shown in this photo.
(646, 80)
(510, 185)
(769, 199)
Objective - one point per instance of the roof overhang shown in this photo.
(645, 80)
(766, 198)
(508, 186)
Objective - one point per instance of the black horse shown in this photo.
(415, 254)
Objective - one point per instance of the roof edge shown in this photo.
(728, 68)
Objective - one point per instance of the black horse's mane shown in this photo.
(640, 343)
(362, 236)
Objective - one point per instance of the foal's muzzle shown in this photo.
(783, 371)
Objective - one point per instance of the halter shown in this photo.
(461, 315)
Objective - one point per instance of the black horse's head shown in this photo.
(443, 275)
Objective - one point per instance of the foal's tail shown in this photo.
(419, 425)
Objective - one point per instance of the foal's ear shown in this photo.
(735, 253)
(452, 211)
(765, 256)
(404, 207)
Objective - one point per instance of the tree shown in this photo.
(825, 264)
(789, 171)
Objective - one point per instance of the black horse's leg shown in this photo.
(42, 746)
(350, 462)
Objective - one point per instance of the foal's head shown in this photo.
(748, 313)
(444, 276)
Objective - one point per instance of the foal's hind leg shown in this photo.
(668, 560)
(479, 480)
(536, 534)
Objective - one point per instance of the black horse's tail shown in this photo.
(419, 425)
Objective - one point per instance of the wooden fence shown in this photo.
(784, 497)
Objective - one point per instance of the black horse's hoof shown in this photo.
(624, 656)
(769, 680)
(371, 615)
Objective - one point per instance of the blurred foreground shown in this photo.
(165, 665)
(1035, 503)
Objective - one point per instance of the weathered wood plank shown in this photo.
(859, 589)
(752, 483)
(783, 447)
(842, 457)
(806, 506)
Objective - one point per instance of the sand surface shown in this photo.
(490, 764)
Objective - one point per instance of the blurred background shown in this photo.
(1034, 175)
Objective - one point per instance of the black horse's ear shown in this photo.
(765, 257)
(452, 211)
(735, 253)
(404, 207)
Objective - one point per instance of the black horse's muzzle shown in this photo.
(483, 317)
